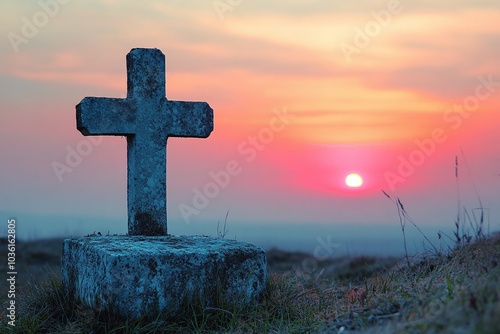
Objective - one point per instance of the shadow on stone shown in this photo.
(147, 224)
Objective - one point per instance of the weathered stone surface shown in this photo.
(147, 271)
(147, 119)
(136, 275)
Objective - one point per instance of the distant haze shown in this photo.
(331, 240)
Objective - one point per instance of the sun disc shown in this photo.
(354, 180)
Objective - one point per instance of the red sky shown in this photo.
(392, 90)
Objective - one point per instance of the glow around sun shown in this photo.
(354, 180)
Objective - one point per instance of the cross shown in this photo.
(147, 119)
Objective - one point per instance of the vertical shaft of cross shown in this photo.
(146, 185)
(146, 149)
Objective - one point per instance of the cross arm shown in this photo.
(189, 119)
(105, 116)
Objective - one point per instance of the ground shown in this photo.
(457, 291)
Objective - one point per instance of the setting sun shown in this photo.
(354, 180)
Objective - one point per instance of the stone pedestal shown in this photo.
(137, 275)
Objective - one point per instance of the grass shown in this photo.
(451, 292)
(455, 290)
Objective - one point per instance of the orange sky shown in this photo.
(363, 86)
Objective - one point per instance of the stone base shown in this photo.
(137, 276)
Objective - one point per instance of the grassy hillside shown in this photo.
(456, 292)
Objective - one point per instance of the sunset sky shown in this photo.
(303, 94)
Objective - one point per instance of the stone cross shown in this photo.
(147, 119)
